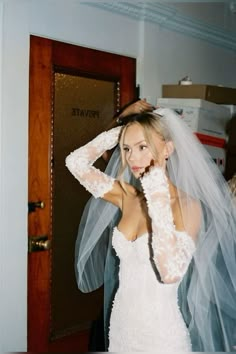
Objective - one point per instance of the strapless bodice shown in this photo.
(145, 312)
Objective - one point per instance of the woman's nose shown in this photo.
(131, 156)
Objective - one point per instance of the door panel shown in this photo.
(74, 92)
(80, 103)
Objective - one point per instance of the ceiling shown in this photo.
(212, 21)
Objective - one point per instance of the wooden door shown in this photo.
(59, 315)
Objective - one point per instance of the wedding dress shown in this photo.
(145, 313)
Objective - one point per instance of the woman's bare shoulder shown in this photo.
(118, 192)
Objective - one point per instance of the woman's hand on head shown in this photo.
(139, 106)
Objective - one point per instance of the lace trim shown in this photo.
(80, 161)
(172, 252)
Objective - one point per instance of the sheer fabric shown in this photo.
(208, 292)
(172, 252)
(80, 162)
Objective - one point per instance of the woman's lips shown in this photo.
(136, 168)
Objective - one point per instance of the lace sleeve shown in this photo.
(80, 162)
(172, 250)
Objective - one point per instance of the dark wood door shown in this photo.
(59, 315)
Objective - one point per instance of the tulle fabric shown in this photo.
(93, 242)
(207, 294)
(96, 262)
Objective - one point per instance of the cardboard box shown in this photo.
(232, 109)
(216, 94)
(201, 116)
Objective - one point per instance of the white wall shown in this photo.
(170, 56)
(13, 199)
(162, 57)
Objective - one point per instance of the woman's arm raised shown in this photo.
(80, 163)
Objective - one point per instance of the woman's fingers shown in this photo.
(143, 106)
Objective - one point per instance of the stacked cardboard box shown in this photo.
(211, 93)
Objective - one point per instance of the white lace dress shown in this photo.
(145, 314)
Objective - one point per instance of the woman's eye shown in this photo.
(143, 147)
(126, 149)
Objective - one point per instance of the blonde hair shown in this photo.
(150, 123)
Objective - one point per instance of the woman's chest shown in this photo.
(135, 220)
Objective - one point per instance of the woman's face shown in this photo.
(137, 153)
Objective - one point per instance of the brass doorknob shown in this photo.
(39, 243)
(32, 206)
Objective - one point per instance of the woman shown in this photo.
(170, 220)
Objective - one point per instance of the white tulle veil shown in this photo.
(207, 294)
(96, 263)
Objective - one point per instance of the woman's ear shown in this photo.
(169, 148)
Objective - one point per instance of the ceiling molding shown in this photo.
(169, 18)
